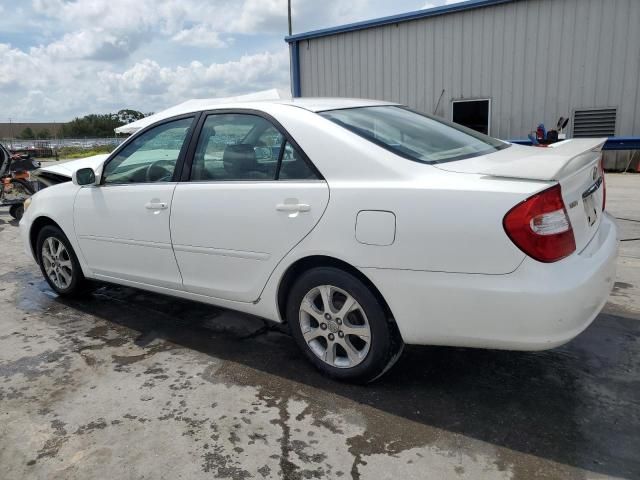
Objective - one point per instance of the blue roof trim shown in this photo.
(622, 143)
(403, 17)
(612, 143)
(296, 91)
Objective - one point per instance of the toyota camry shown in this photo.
(361, 224)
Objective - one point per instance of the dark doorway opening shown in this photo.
(473, 114)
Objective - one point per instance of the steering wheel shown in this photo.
(157, 172)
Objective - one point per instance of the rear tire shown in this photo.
(16, 211)
(341, 326)
(59, 263)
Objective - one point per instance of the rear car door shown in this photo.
(122, 224)
(250, 196)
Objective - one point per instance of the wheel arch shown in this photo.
(36, 226)
(304, 264)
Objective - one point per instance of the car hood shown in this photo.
(68, 168)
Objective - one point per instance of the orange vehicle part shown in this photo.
(23, 175)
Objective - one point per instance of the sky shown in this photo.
(60, 59)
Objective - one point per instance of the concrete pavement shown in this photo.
(127, 384)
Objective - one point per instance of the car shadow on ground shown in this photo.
(577, 405)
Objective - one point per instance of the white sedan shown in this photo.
(362, 224)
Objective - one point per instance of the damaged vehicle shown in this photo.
(15, 181)
(362, 224)
(61, 172)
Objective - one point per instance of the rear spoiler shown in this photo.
(580, 152)
(551, 163)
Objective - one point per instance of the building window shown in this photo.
(594, 122)
(474, 114)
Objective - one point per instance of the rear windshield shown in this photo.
(414, 136)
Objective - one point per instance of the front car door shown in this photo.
(250, 197)
(122, 224)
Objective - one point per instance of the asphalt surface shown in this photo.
(127, 384)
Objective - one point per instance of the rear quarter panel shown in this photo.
(443, 223)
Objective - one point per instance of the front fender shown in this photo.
(56, 205)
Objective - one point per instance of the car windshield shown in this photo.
(413, 135)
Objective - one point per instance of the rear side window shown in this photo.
(293, 166)
(242, 146)
(237, 147)
(414, 136)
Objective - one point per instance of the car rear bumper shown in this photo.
(536, 307)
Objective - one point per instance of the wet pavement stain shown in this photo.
(122, 375)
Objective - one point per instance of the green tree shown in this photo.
(44, 133)
(99, 125)
(27, 134)
(91, 126)
(127, 116)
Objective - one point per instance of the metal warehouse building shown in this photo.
(499, 66)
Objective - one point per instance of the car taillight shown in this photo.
(540, 226)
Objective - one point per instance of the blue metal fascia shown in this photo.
(403, 17)
(295, 70)
(622, 143)
(612, 143)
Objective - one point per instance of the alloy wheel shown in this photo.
(57, 263)
(335, 326)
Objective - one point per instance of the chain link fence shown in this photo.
(56, 147)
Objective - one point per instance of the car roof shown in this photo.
(312, 104)
(319, 104)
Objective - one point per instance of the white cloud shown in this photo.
(197, 80)
(200, 36)
(260, 15)
(73, 57)
(94, 44)
(146, 86)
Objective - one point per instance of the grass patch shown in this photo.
(80, 152)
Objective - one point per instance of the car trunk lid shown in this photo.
(574, 164)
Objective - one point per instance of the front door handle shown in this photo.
(156, 206)
(293, 207)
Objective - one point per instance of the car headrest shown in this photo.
(239, 159)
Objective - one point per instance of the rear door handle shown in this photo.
(156, 206)
(293, 207)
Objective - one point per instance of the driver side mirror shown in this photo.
(83, 177)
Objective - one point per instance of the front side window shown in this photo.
(414, 136)
(150, 157)
(237, 147)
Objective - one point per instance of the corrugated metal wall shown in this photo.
(535, 59)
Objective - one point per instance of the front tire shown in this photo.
(58, 262)
(341, 326)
